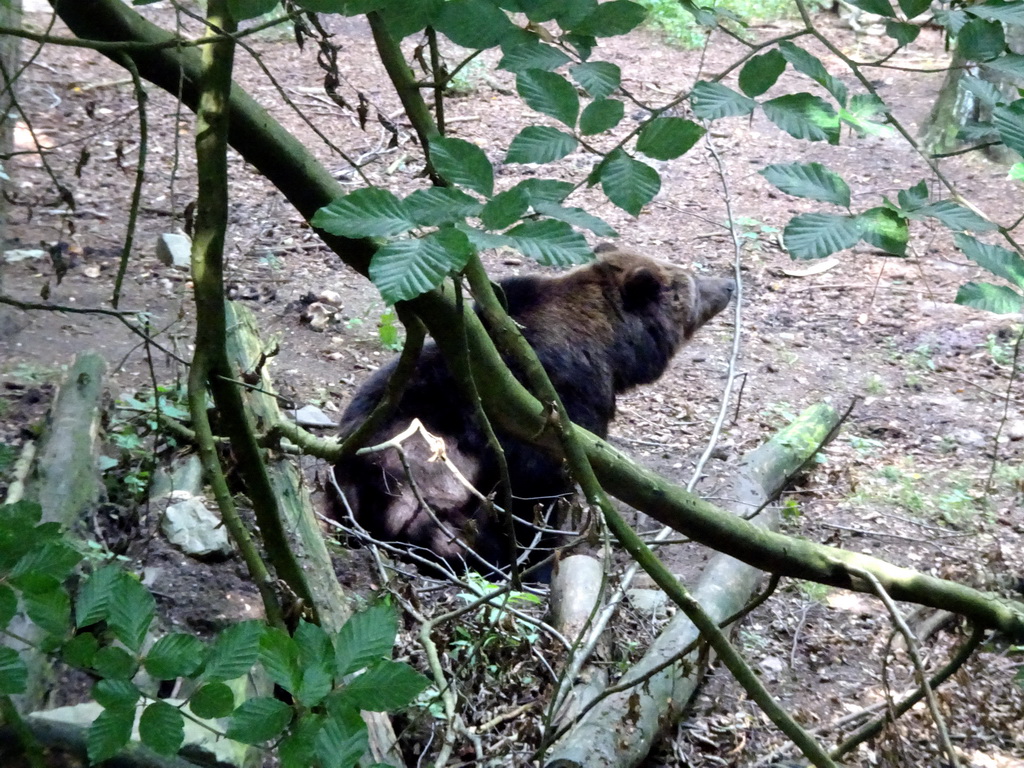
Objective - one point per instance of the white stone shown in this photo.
(311, 416)
(174, 249)
(192, 527)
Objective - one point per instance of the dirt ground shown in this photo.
(926, 472)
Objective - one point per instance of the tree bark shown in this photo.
(66, 484)
(621, 729)
(305, 538)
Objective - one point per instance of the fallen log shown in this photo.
(331, 605)
(64, 481)
(622, 727)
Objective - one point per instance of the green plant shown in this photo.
(8, 455)
(495, 614)
(1001, 350)
(388, 331)
(754, 234)
(468, 79)
(791, 510)
(865, 446)
(874, 385)
(813, 591)
(103, 627)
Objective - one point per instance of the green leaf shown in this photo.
(387, 686)
(598, 78)
(546, 190)
(902, 32)
(532, 55)
(611, 18)
(1009, 121)
(483, 241)
(405, 269)
(705, 17)
(629, 183)
(987, 92)
(711, 101)
(816, 235)
(366, 637)
(1011, 64)
(463, 164)
(551, 243)
(317, 661)
(997, 10)
(80, 651)
(109, 733)
(952, 19)
(997, 260)
(885, 229)
(550, 94)
(8, 605)
(811, 66)
(584, 44)
(94, 596)
(131, 611)
(115, 663)
(812, 181)
(572, 12)
(368, 212)
(505, 208)
(174, 656)
(212, 701)
(342, 740)
(601, 115)
(13, 672)
(880, 7)
(250, 9)
(50, 610)
(298, 748)
(234, 652)
(342, 7)
(666, 138)
(475, 24)
(162, 728)
(404, 17)
(540, 144)
(279, 656)
(981, 40)
(115, 694)
(258, 720)
(437, 206)
(956, 217)
(761, 72)
(577, 217)
(804, 116)
(54, 558)
(999, 299)
(912, 8)
(1016, 172)
(863, 111)
(913, 198)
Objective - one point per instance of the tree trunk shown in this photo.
(621, 729)
(306, 540)
(66, 483)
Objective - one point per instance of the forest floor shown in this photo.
(927, 471)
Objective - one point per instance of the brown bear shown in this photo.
(599, 330)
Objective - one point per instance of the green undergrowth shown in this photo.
(680, 29)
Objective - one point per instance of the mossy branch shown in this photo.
(308, 186)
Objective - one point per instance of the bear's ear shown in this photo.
(640, 286)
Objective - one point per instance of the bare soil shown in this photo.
(926, 473)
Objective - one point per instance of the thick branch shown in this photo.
(293, 170)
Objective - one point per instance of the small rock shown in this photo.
(969, 437)
(23, 254)
(318, 315)
(329, 297)
(191, 526)
(1016, 430)
(174, 249)
(92, 271)
(652, 602)
(311, 416)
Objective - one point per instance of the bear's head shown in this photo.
(660, 307)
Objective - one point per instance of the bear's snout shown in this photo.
(713, 295)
